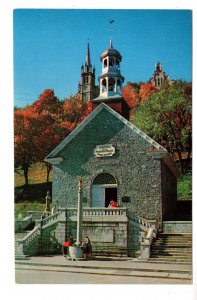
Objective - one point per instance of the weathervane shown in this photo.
(111, 26)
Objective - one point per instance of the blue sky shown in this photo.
(50, 46)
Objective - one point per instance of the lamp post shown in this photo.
(79, 212)
(75, 251)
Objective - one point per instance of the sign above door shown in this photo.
(104, 150)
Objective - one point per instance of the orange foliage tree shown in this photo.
(41, 126)
(145, 90)
(75, 111)
(27, 127)
(130, 95)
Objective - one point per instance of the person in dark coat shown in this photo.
(87, 248)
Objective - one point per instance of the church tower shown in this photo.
(111, 82)
(159, 76)
(87, 88)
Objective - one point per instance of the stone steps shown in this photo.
(19, 255)
(172, 247)
(166, 260)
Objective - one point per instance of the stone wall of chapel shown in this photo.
(138, 175)
(169, 194)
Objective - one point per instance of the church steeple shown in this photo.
(88, 61)
(111, 82)
(87, 88)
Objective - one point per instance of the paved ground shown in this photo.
(50, 277)
(101, 270)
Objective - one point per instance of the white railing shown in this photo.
(142, 221)
(51, 218)
(96, 211)
(30, 236)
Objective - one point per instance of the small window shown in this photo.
(104, 84)
(105, 63)
(119, 85)
(111, 84)
(111, 61)
(117, 63)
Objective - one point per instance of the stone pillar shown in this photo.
(79, 213)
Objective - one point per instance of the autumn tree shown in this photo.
(130, 94)
(145, 90)
(40, 127)
(37, 131)
(50, 108)
(47, 104)
(27, 128)
(166, 117)
(75, 111)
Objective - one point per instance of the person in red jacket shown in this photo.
(113, 204)
(66, 244)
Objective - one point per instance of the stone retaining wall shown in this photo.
(177, 227)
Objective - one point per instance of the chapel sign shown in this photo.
(104, 150)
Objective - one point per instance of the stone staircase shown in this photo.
(18, 251)
(174, 248)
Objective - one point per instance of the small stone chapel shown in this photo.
(118, 161)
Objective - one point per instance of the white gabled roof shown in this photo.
(89, 118)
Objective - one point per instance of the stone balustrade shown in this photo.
(96, 211)
(51, 218)
(142, 221)
(146, 244)
(29, 237)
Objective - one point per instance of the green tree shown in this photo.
(166, 117)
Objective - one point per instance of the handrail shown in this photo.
(30, 236)
(50, 218)
(150, 235)
(142, 221)
(146, 244)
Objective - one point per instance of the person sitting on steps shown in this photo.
(66, 244)
(87, 248)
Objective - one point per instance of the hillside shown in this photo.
(36, 191)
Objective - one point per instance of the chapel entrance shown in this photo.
(104, 189)
(110, 194)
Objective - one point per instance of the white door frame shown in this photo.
(98, 194)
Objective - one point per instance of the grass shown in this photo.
(184, 187)
(31, 197)
(37, 174)
(24, 207)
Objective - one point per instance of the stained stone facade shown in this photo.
(146, 181)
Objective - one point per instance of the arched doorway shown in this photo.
(104, 189)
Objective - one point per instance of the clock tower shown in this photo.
(87, 88)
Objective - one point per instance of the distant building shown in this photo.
(159, 76)
(87, 88)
